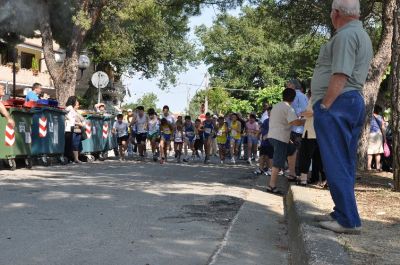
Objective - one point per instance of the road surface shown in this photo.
(135, 213)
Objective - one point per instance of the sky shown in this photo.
(177, 98)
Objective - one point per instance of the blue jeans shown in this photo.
(338, 130)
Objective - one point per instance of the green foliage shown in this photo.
(82, 19)
(35, 64)
(270, 95)
(148, 100)
(239, 106)
(219, 102)
(84, 102)
(256, 51)
(146, 36)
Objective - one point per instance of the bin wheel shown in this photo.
(12, 164)
(104, 155)
(45, 161)
(101, 157)
(63, 160)
(90, 159)
(28, 163)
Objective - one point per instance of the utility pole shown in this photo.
(188, 99)
(207, 84)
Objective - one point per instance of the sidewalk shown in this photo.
(257, 235)
(379, 208)
(308, 243)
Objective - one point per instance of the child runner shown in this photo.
(141, 121)
(129, 118)
(236, 128)
(189, 137)
(120, 128)
(222, 137)
(243, 141)
(199, 137)
(208, 136)
(178, 141)
(266, 150)
(252, 133)
(153, 132)
(166, 131)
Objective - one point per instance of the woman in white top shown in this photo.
(308, 148)
(73, 130)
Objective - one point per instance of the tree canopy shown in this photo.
(254, 51)
(148, 100)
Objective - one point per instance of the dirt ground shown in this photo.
(380, 212)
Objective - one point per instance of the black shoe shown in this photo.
(302, 184)
(274, 190)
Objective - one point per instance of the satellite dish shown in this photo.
(100, 79)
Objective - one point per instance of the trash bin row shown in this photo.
(39, 132)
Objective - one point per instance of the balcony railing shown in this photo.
(25, 76)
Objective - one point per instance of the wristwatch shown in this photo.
(323, 107)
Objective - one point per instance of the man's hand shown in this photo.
(11, 122)
(299, 122)
(336, 85)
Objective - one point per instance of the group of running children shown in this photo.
(199, 136)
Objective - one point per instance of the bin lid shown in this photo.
(14, 102)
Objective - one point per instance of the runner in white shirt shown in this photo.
(141, 122)
(171, 120)
(120, 128)
(166, 114)
(153, 133)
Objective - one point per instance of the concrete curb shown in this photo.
(308, 244)
(256, 235)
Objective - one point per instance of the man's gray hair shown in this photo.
(350, 8)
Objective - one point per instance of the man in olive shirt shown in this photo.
(339, 110)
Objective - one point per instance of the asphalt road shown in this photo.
(119, 213)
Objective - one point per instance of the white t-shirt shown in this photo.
(70, 118)
(154, 126)
(264, 116)
(282, 114)
(141, 124)
(178, 137)
(170, 119)
(121, 128)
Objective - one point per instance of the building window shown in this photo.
(26, 60)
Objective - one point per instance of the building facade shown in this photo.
(31, 67)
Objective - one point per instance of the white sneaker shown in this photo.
(338, 228)
(249, 161)
(222, 162)
(324, 218)
(257, 171)
(233, 161)
(268, 172)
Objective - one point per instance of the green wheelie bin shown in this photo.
(92, 145)
(16, 143)
(48, 128)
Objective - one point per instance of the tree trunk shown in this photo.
(66, 82)
(64, 76)
(377, 70)
(395, 98)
